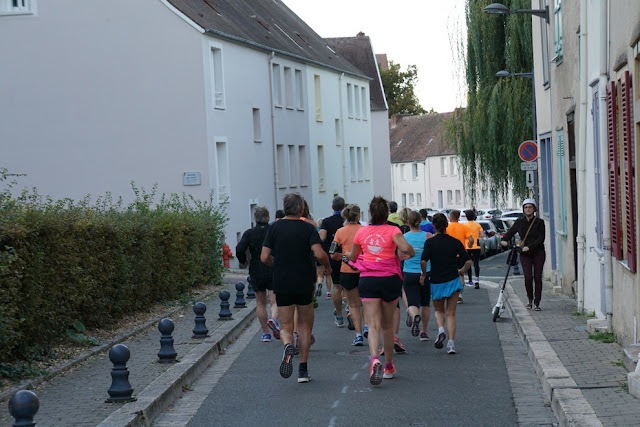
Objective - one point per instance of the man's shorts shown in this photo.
(262, 285)
(287, 298)
(388, 289)
(349, 280)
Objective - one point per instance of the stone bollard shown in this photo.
(167, 353)
(200, 331)
(23, 407)
(225, 313)
(250, 291)
(120, 390)
(240, 302)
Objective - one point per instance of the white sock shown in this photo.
(441, 330)
(450, 343)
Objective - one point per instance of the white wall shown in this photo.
(381, 159)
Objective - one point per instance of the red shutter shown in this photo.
(626, 110)
(614, 180)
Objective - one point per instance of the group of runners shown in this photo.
(397, 255)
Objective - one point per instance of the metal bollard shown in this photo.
(23, 407)
(225, 313)
(120, 390)
(167, 353)
(200, 330)
(250, 291)
(240, 302)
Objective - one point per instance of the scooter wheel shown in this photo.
(496, 313)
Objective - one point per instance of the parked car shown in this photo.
(511, 214)
(495, 213)
(502, 225)
(491, 240)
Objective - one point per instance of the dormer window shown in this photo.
(17, 7)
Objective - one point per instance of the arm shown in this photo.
(321, 256)
(465, 268)
(403, 246)
(470, 241)
(323, 234)
(241, 249)
(266, 257)
(355, 252)
(423, 269)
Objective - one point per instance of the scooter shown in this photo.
(500, 306)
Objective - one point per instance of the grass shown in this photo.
(606, 337)
(577, 314)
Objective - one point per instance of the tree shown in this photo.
(486, 134)
(398, 89)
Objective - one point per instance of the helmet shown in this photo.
(530, 202)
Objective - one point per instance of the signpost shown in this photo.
(529, 166)
(528, 152)
(530, 180)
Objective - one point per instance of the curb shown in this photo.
(568, 403)
(165, 389)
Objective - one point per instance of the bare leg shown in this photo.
(438, 306)
(452, 304)
(355, 306)
(372, 312)
(261, 310)
(388, 311)
(425, 313)
(305, 325)
(274, 306)
(337, 299)
(287, 314)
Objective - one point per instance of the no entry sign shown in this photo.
(528, 151)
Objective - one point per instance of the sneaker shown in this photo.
(328, 295)
(375, 372)
(339, 322)
(359, 341)
(275, 328)
(350, 324)
(397, 345)
(415, 327)
(424, 336)
(286, 367)
(477, 285)
(389, 370)
(365, 331)
(450, 348)
(460, 300)
(319, 289)
(266, 338)
(440, 340)
(303, 377)
(408, 320)
(469, 283)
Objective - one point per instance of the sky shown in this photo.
(410, 32)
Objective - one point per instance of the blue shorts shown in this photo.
(446, 289)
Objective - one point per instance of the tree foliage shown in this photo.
(486, 134)
(398, 88)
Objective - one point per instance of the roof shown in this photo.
(414, 138)
(264, 24)
(359, 52)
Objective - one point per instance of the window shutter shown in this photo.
(626, 106)
(614, 183)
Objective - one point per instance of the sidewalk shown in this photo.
(76, 396)
(584, 379)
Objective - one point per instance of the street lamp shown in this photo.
(500, 9)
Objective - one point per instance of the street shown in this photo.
(481, 385)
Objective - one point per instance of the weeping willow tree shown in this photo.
(487, 133)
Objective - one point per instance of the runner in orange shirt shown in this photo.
(462, 233)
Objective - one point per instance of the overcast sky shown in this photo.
(417, 32)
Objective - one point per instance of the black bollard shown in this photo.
(167, 353)
(240, 302)
(200, 331)
(120, 390)
(250, 292)
(23, 407)
(225, 313)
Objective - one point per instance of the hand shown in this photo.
(423, 276)
(525, 249)
(403, 256)
(326, 270)
(503, 243)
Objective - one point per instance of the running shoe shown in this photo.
(451, 348)
(319, 289)
(275, 328)
(440, 340)
(424, 336)
(460, 300)
(328, 295)
(477, 285)
(350, 324)
(397, 345)
(469, 283)
(389, 370)
(303, 377)
(339, 322)
(375, 372)
(408, 320)
(415, 327)
(359, 341)
(286, 367)
(266, 338)
(365, 331)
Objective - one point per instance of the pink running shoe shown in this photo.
(389, 370)
(375, 372)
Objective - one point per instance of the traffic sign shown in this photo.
(529, 179)
(529, 166)
(528, 151)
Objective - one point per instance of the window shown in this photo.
(440, 199)
(443, 166)
(322, 180)
(458, 196)
(17, 7)
(367, 164)
(414, 171)
(288, 87)
(217, 83)
(257, 131)
(449, 196)
(403, 175)
(299, 92)
(352, 162)
(349, 100)
(419, 199)
(282, 166)
(363, 99)
(544, 40)
(356, 101)
(293, 172)
(222, 171)
(404, 199)
(318, 97)
(277, 86)
(411, 199)
(562, 195)
(360, 162)
(302, 164)
(338, 132)
(557, 19)
(453, 166)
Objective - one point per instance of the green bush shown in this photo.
(65, 261)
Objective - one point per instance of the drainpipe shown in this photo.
(345, 152)
(581, 149)
(273, 131)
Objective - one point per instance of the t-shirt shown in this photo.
(331, 224)
(377, 242)
(475, 229)
(252, 240)
(393, 217)
(344, 237)
(290, 241)
(417, 239)
(444, 250)
(427, 226)
(460, 232)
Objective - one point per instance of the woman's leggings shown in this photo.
(532, 269)
(475, 257)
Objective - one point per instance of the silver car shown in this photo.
(490, 243)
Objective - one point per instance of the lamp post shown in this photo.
(534, 124)
(500, 9)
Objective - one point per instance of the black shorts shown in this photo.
(349, 280)
(388, 289)
(335, 271)
(417, 296)
(262, 284)
(286, 299)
